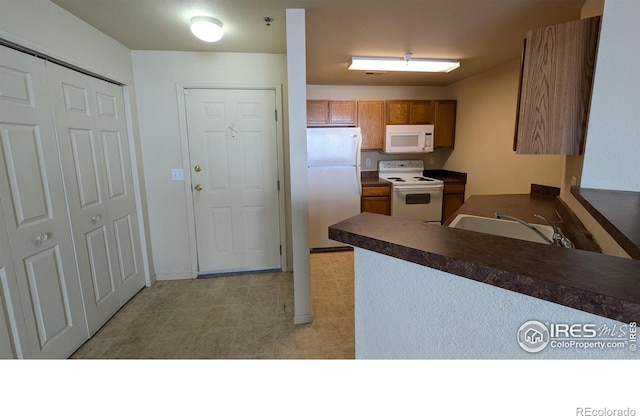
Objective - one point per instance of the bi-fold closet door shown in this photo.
(70, 249)
(94, 150)
(48, 301)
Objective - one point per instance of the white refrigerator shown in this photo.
(333, 156)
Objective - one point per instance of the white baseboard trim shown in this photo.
(304, 319)
(179, 276)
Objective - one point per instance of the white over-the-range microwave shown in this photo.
(409, 138)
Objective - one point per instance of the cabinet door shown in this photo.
(342, 113)
(317, 112)
(450, 203)
(371, 122)
(397, 111)
(445, 124)
(376, 204)
(35, 211)
(421, 112)
(94, 148)
(555, 88)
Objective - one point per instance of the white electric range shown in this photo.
(413, 196)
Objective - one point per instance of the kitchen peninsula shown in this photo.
(430, 291)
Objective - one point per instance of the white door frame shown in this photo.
(186, 165)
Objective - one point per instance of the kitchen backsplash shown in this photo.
(434, 160)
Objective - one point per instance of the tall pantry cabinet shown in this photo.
(71, 253)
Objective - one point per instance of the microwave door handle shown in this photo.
(424, 144)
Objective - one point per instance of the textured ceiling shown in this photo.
(481, 33)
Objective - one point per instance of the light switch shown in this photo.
(177, 174)
(367, 162)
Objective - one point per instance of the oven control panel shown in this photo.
(400, 164)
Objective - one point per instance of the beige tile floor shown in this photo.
(236, 317)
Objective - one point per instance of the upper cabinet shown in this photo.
(444, 120)
(555, 88)
(409, 112)
(372, 123)
(331, 113)
(373, 115)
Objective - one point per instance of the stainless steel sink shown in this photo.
(504, 228)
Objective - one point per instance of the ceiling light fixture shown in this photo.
(406, 64)
(206, 28)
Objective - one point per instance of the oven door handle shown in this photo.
(430, 188)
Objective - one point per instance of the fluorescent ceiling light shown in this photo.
(207, 29)
(407, 64)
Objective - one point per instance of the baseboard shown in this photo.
(178, 276)
(304, 319)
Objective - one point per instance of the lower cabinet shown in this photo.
(452, 199)
(70, 256)
(376, 199)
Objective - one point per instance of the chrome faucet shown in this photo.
(558, 238)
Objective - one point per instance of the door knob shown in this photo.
(198, 187)
(41, 238)
(197, 168)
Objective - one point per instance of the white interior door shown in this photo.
(94, 150)
(234, 172)
(33, 202)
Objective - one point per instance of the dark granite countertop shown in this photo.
(618, 212)
(370, 178)
(592, 282)
(518, 205)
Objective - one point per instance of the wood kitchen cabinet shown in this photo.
(376, 199)
(409, 112)
(331, 113)
(371, 121)
(444, 121)
(556, 81)
(452, 199)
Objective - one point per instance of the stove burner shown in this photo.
(396, 179)
(422, 179)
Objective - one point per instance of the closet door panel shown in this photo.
(121, 205)
(13, 334)
(83, 148)
(114, 164)
(81, 153)
(94, 150)
(35, 213)
(26, 173)
(125, 244)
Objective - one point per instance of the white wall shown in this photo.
(157, 75)
(612, 151)
(296, 73)
(486, 119)
(407, 311)
(43, 27)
